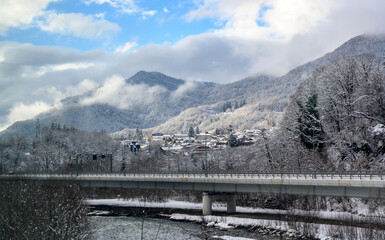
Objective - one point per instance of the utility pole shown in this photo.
(206, 167)
(77, 164)
(1, 161)
(124, 166)
(110, 163)
(59, 158)
(178, 162)
(314, 163)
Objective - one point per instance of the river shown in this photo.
(127, 228)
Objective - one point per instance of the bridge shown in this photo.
(227, 185)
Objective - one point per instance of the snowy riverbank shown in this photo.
(264, 226)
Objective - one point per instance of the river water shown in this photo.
(127, 228)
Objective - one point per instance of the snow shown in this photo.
(361, 209)
(228, 222)
(379, 129)
(99, 213)
(141, 203)
(232, 238)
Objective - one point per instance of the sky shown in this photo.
(53, 49)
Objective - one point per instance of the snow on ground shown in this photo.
(232, 238)
(321, 231)
(361, 209)
(225, 222)
(141, 203)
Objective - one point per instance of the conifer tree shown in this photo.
(191, 132)
(310, 128)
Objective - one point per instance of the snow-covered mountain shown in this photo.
(168, 98)
(171, 105)
(270, 97)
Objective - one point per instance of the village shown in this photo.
(195, 142)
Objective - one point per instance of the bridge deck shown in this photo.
(348, 185)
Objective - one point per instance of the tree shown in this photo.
(310, 128)
(138, 134)
(197, 130)
(31, 210)
(233, 141)
(191, 132)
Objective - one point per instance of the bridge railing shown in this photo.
(227, 174)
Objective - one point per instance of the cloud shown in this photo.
(149, 13)
(286, 18)
(264, 19)
(116, 92)
(18, 13)
(55, 68)
(126, 47)
(182, 89)
(71, 90)
(77, 24)
(239, 47)
(84, 86)
(165, 10)
(124, 6)
(21, 111)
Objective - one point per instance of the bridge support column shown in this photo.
(206, 200)
(231, 203)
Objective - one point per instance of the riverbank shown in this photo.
(280, 223)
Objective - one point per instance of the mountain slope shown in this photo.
(170, 97)
(173, 104)
(269, 98)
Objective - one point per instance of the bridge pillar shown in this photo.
(206, 200)
(231, 203)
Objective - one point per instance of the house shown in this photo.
(203, 137)
(155, 137)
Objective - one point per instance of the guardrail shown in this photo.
(238, 174)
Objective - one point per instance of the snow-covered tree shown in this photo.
(191, 132)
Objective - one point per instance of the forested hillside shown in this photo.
(270, 96)
(335, 120)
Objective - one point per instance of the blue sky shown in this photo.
(53, 49)
(151, 22)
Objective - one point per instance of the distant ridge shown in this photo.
(181, 105)
(155, 79)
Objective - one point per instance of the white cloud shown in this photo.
(17, 13)
(77, 24)
(72, 90)
(239, 47)
(66, 66)
(166, 10)
(149, 13)
(290, 17)
(187, 86)
(21, 111)
(126, 47)
(116, 92)
(84, 86)
(100, 15)
(281, 18)
(126, 6)
(55, 68)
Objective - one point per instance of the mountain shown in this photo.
(170, 97)
(267, 98)
(171, 105)
(155, 79)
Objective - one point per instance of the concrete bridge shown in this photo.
(227, 185)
